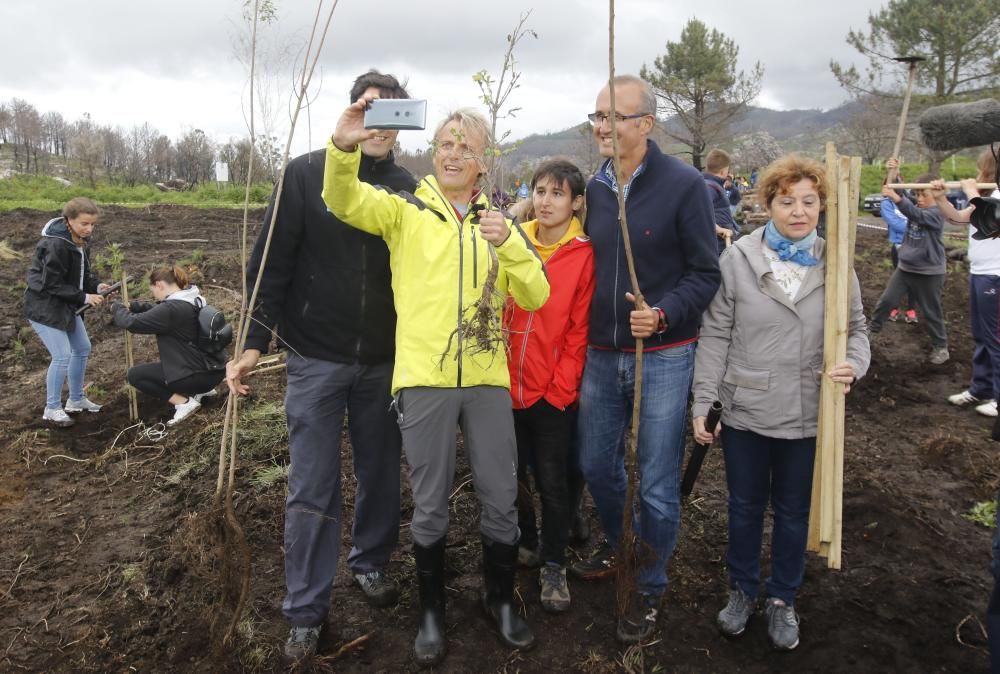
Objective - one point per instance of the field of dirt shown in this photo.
(101, 570)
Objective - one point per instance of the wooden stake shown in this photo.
(951, 184)
(826, 514)
(133, 402)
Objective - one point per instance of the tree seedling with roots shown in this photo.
(481, 329)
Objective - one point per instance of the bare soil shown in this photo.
(101, 570)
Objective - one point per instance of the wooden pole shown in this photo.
(951, 184)
(133, 402)
(826, 513)
(906, 108)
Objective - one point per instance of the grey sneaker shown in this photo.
(732, 620)
(378, 587)
(302, 643)
(782, 625)
(555, 591)
(939, 356)
(58, 417)
(82, 405)
(184, 410)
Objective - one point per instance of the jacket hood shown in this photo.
(57, 228)
(191, 295)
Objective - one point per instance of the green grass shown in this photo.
(45, 194)
(983, 514)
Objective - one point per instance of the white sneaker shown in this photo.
(988, 408)
(964, 398)
(58, 417)
(81, 405)
(210, 393)
(184, 410)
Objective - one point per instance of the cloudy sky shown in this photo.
(174, 64)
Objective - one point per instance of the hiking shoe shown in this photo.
(782, 625)
(732, 619)
(555, 591)
(894, 315)
(939, 356)
(964, 398)
(82, 405)
(528, 557)
(301, 644)
(184, 410)
(988, 408)
(639, 621)
(58, 417)
(599, 565)
(211, 393)
(378, 587)
(911, 316)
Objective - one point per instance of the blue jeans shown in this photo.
(606, 396)
(984, 315)
(69, 351)
(759, 469)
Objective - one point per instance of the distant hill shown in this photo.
(802, 130)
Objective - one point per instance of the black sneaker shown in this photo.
(639, 621)
(380, 590)
(600, 564)
(301, 645)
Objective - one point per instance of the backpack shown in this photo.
(214, 334)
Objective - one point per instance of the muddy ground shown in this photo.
(100, 570)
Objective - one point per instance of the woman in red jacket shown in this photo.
(547, 350)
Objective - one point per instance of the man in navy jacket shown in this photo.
(672, 232)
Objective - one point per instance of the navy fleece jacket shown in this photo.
(672, 231)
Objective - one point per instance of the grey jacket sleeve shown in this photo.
(714, 340)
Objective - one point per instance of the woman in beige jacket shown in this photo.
(761, 354)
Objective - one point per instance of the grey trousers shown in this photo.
(427, 418)
(318, 394)
(925, 294)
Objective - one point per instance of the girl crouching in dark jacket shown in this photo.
(185, 373)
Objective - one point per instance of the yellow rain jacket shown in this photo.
(439, 265)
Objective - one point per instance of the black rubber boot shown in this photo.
(430, 647)
(499, 561)
(996, 430)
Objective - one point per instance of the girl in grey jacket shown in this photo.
(761, 354)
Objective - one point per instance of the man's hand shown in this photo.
(351, 129)
(723, 232)
(842, 373)
(643, 319)
(493, 227)
(701, 435)
(892, 169)
(94, 300)
(237, 369)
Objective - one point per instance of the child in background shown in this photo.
(922, 267)
(896, 223)
(547, 351)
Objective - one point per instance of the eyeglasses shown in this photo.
(598, 118)
(451, 147)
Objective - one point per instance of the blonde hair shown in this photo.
(470, 121)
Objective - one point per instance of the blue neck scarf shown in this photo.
(788, 250)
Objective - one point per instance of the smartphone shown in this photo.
(396, 113)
